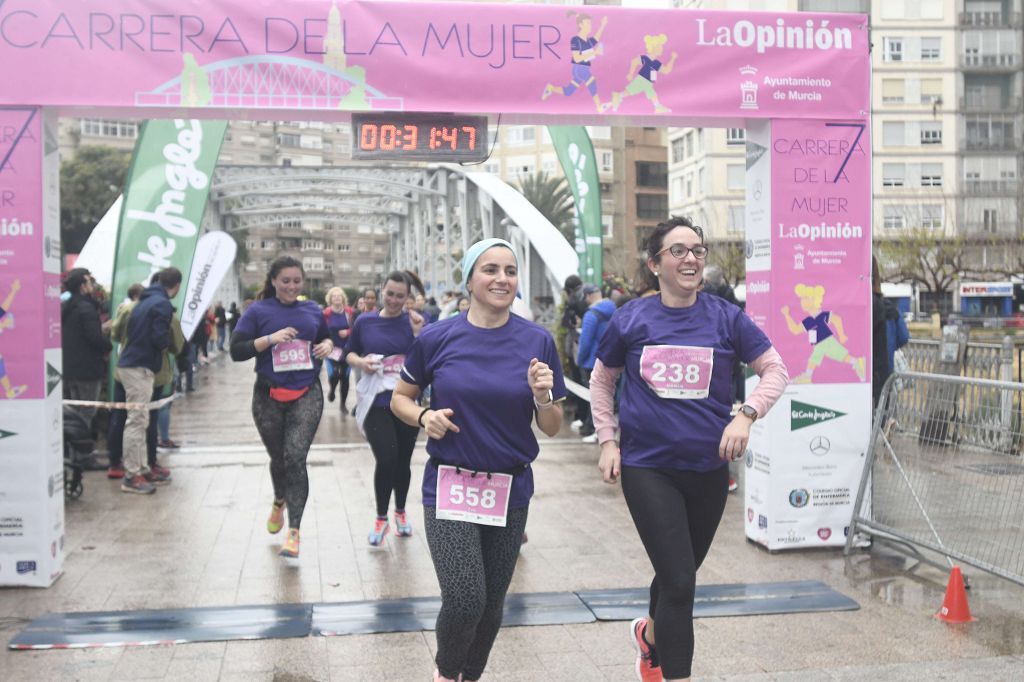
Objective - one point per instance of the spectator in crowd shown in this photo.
(83, 342)
(595, 322)
(221, 317)
(115, 429)
(232, 316)
(573, 311)
(147, 340)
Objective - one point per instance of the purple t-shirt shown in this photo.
(336, 323)
(819, 324)
(480, 374)
(674, 433)
(578, 44)
(372, 333)
(268, 316)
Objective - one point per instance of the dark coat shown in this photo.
(149, 330)
(82, 340)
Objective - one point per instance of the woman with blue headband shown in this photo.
(492, 374)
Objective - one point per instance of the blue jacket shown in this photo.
(149, 330)
(595, 322)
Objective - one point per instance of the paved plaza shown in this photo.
(202, 542)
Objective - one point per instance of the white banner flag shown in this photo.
(215, 253)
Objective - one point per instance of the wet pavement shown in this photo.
(202, 542)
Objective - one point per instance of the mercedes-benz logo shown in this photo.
(820, 446)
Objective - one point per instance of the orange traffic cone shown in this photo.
(954, 606)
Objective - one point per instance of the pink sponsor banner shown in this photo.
(519, 59)
(821, 250)
(23, 325)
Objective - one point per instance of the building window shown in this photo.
(894, 218)
(893, 134)
(652, 174)
(988, 220)
(250, 244)
(678, 151)
(606, 162)
(931, 49)
(931, 132)
(893, 90)
(931, 175)
(737, 219)
(735, 135)
(893, 175)
(520, 135)
(893, 50)
(289, 140)
(931, 90)
(606, 226)
(292, 225)
(735, 176)
(268, 244)
(652, 206)
(344, 248)
(600, 132)
(104, 128)
(931, 216)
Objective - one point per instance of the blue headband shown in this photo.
(469, 260)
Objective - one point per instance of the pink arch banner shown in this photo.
(523, 60)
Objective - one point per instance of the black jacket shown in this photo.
(149, 330)
(82, 339)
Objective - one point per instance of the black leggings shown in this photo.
(676, 514)
(340, 374)
(392, 442)
(287, 431)
(474, 566)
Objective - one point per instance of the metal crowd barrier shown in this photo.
(945, 473)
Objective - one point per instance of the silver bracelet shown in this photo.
(544, 406)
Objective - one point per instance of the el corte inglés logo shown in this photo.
(804, 414)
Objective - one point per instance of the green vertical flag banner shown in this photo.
(164, 199)
(576, 154)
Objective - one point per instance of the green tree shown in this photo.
(553, 198)
(89, 184)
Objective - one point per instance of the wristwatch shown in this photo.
(749, 412)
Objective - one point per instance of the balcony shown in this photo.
(1003, 61)
(991, 188)
(993, 19)
(993, 104)
(996, 144)
(981, 227)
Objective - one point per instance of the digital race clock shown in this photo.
(394, 136)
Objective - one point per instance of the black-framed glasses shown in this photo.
(679, 251)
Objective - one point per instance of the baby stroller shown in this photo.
(78, 445)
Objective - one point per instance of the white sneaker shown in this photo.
(592, 438)
(576, 425)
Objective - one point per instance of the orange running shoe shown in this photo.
(380, 529)
(402, 526)
(648, 669)
(290, 548)
(276, 519)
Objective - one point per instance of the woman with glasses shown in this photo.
(675, 352)
(377, 347)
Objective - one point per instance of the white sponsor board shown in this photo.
(799, 490)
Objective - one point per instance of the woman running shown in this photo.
(492, 374)
(337, 315)
(675, 351)
(377, 347)
(288, 338)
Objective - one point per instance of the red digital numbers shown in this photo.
(399, 137)
(368, 136)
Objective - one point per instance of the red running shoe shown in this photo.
(115, 472)
(648, 669)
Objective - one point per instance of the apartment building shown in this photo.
(947, 122)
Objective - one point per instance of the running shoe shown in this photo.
(648, 669)
(576, 425)
(137, 484)
(733, 485)
(290, 548)
(380, 529)
(158, 477)
(402, 526)
(592, 438)
(330, 395)
(276, 519)
(115, 472)
(168, 444)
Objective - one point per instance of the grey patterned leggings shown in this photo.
(474, 566)
(287, 431)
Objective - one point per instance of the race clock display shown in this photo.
(394, 136)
